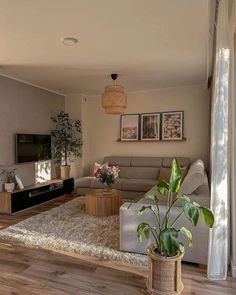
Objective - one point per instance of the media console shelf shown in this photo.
(28, 197)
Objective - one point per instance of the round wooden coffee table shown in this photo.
(100, 203)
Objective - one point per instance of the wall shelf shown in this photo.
(179, 140)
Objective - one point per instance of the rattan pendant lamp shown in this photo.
(114, 99)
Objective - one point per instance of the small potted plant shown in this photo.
(66, 141)
(166, 254)
(106, 174)
(10, 178)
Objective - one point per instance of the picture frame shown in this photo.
(150, 126)
(173, 125)
(19, 182)
(129, 127)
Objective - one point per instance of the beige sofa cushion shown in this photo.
(84, 181)
(194, 178)
(146, 162)
(118, 161)
(139, 172)
(96, 183)
(138, 185)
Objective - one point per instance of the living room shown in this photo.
(117, 147)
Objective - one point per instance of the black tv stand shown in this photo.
(34, 195)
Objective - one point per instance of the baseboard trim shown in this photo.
(233, 268)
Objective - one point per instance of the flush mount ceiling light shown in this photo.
(114, 99)
(69, 41)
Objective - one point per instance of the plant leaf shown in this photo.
(187, 233)
(191, 211)
(169, 241)
(208, 216)
(153, 198)
(175, 178)
(142, 210)
(143, 227)
(163, 187)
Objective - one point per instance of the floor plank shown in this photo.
(26, 271)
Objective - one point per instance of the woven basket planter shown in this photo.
(164, 273)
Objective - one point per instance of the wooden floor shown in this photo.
(33, 271)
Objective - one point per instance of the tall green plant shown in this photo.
(66, 137)
(165, 234)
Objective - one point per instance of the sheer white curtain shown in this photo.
(219, 235)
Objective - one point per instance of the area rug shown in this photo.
(69, 229)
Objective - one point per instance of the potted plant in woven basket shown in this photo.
(66, 141)
(166, 254)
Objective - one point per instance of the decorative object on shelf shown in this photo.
(114, 99)
(150, 126)
(106, 174)
(166, 254)
(172, 125)
(66, 141)
(19, 182)
(129, 127)
(9, 178)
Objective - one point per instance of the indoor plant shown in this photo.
(66, 140)
(9, 172)
(166, 254)
(106, 174)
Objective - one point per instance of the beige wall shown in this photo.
(103, 130)
(24, 109)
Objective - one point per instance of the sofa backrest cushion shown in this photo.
(146, 162)
(120, 161)
(194, 178)
(143, 167)
(183, 162)
(139, 172)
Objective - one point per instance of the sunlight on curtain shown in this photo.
(219, 235)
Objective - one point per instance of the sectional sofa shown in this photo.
(138, 179)
(137, 174)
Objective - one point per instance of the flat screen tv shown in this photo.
(33, 148)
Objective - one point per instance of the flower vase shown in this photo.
(108, 188)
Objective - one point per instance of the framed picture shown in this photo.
(172, 125)
(150, 126)
(19, 182)
(129, 127)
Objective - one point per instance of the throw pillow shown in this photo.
(194, 178)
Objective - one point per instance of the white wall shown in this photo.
(102, 130)
(24, 109)
(74, 106)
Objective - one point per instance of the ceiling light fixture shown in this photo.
(69, 41)
(114, 99)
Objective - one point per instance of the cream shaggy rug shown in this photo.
(68, 228)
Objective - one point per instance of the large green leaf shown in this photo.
(175, 178)
(191, 209)
(169, 241)
(143, 227)
(153, 198)
(163, 187)
(208, 216)
(187, 233)
(142, 210)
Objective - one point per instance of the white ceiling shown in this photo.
(150, 43)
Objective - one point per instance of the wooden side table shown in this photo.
(100, 203)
